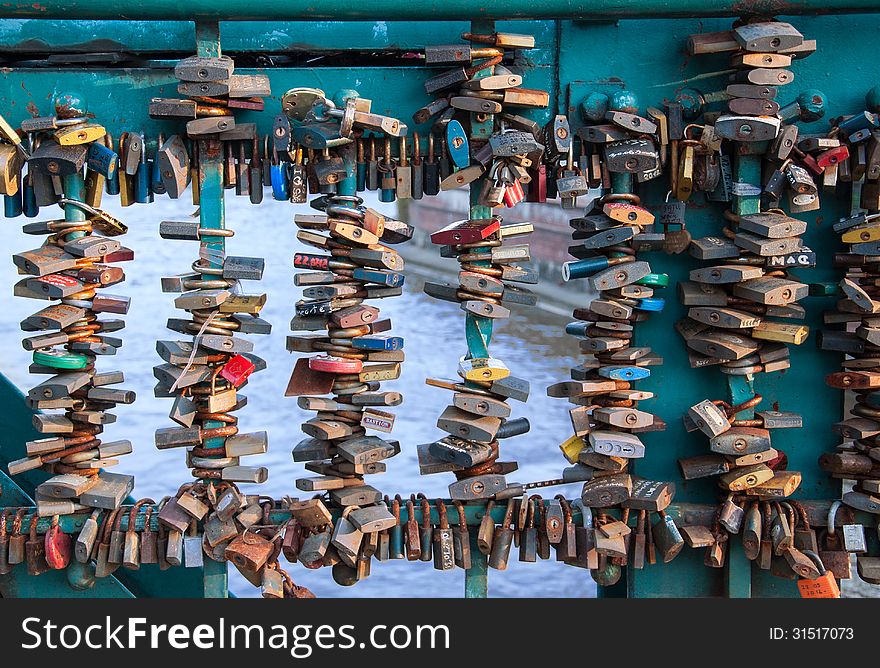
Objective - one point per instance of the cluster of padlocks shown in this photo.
(742, 313)
(481, 136)
(354, 354)
(606, 419)
(775, 530)
(850, 330)
(72, 267)
(748, 280)
(205, 373)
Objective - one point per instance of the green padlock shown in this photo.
(58, 359)
(654, 280)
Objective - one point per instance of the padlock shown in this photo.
(667, 537)
(149, 549)
(315, 547)
(586, 548)
(502, 539)
(249, 551)
(685, 177)
(280, 181)
(347, 539)
(272, 582)
(528, 545)
(426, 533)
(825, 586)
(443, 541)
(57, 546)
(494, 188)
(35, 550)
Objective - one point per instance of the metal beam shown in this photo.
(350, 10)
(684, 514)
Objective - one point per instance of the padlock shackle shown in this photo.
(832, 514)
(816, 559)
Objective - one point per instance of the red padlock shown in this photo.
(538, 184)
(514, 194)
(58, 546)
(779, 462)
(330, 364)
(832, 156)
(237, 370)
(466, 231)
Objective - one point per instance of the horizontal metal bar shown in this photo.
(352, 10)
(684, 514)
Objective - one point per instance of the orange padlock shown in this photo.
(824, 586)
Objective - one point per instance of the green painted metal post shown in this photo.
(478, 330)
(211, 216)
(74, 187)
(216, 579)
(476, 578)
(11, 494)
(738, 571)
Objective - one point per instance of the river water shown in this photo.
(531, 343)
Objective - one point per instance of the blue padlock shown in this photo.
(12, 204)
(280, 181)
(102, 160)
(623, 372)
(386, 194)
(457, 145)
(372, 342)
(111, 184)
(584, 268)
(577, 329)
(389, 278)
(651, 304)
(29, 198)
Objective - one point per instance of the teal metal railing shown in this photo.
(584, 46)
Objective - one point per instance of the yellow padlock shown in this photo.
(482, 369)
(572, 448)
(685, 183)
(861, 234)
(777, 331)
(83, 133)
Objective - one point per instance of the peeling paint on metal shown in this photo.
(380, 32)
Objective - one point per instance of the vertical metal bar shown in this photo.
(211, 210)
(348, 186)
(216, 579)
(478, 332)
(746, 170)
(476, 578)
(738, 571)
(74, 187)
(621, 182)
(213, 250)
